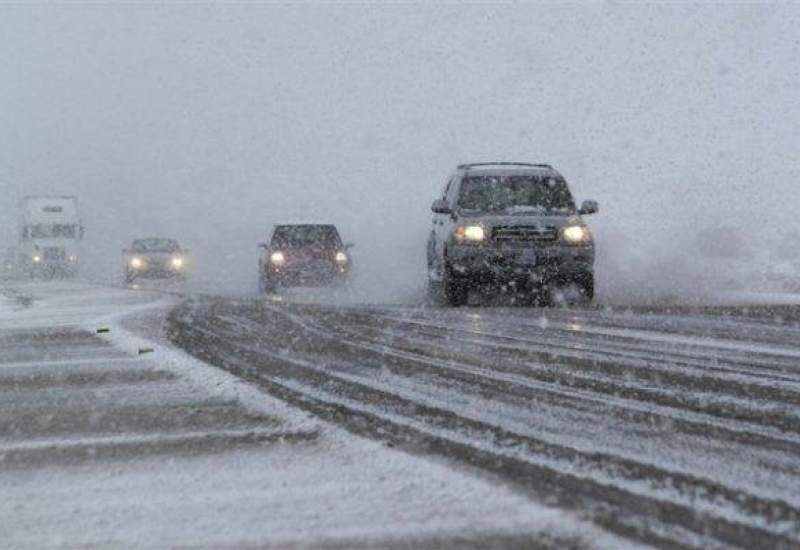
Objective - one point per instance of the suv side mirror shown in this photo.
(348, 246)
(441, 207)
(263, 245)
(588, 207)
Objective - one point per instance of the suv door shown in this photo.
(442, 226)
(433, 239)
(448, 220)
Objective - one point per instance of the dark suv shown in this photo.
(509, 224)
(303, 255)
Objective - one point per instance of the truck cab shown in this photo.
(50, 236)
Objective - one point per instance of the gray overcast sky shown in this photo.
(210, 123)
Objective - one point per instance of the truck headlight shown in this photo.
(36, 259)
(177, 262)
(73, 258)
(136, 263)
(576, 234)
(277, 258)
(341, 258)
(469, 234)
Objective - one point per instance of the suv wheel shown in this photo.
(586, 284)
(434, 285)
(456, 292)
(577, 291)
(434, 290)
(266, 285)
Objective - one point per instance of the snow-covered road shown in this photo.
(110, 437)
(673, 427)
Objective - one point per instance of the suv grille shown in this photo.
(524, 233)
(54, 254)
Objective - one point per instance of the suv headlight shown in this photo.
(472, 234)
(576, 234)
(277, 258)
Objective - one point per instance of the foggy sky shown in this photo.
(211, 123)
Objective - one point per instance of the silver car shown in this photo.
(509, 225)
(155, 258)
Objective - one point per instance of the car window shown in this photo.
(452, 190)
(155, 245)
(516, 194)
(447, 188)
(296, 236)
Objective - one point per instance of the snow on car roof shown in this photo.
(303, 223)
(155, 239)
(511, 171)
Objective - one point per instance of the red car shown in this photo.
(304, 255)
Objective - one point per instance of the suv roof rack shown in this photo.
(474, 164)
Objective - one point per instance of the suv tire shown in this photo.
(456, 293)
(586, 283)
(434, 291)
(266, 285)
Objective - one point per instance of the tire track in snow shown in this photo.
(254, 343)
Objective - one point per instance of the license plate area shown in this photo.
(526, 257)
(312, 265)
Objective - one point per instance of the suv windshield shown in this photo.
(155, 245)
(520, 194)
(298, 236)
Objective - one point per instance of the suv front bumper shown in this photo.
(546, 263)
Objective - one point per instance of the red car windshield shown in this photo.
(306, 236)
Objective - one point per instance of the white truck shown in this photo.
(50, 237)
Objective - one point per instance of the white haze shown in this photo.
(211, 123)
